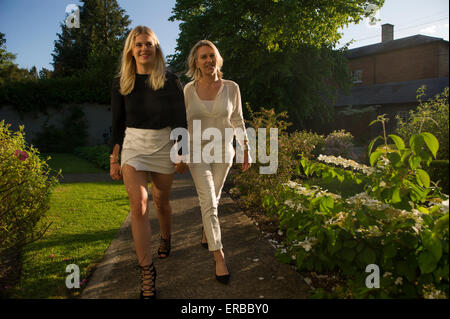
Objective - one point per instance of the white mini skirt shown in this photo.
(148, 150)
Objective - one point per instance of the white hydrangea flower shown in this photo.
(346, 163)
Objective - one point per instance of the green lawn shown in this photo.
(70, 163)
(85, 219)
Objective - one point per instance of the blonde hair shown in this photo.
(193, 72)
(128, 64)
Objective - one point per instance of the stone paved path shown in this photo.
(189, 271)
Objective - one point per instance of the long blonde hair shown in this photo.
(128, 64)
(193, 72)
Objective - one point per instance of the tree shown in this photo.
(9, 71)
(96, 44)
(280, 52)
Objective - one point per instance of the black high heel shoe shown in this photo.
(204, 245)
(148, 281)
(164, 248)
(224, 279)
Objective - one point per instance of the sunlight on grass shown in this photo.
(85, 219)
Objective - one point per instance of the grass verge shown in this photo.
(85, 219)
(70, 163)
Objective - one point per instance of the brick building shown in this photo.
(386, 77)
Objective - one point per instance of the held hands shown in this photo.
(181, 167)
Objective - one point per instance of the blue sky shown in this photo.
(30, 26)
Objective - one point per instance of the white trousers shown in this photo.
(209, 180)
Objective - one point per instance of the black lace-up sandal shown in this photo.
(148, 280)
(164, 248)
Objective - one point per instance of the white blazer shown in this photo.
(225, 113)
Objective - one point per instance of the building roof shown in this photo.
(392, 45)
(392, 93)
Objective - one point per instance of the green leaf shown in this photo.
(367, 256)
(416, 142)
(398, 141)
(433, 244)
(427, 263)
(348, 254)
(414, 162)
(441, 225)
(396, 195)
(395, 159)
(422, 178)
(372, 143)
(432, 142)
(423, 210)
(374, 156)
(326, 204)
(389, 251)
(350, 243)
(373, 122)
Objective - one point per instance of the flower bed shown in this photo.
(399, 223)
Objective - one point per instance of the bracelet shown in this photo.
(245, 147)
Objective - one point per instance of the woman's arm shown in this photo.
(117, 129)
(237, 121)
(118, 116)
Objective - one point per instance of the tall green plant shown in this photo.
(430, 116)
(25, 187)
(399, 223)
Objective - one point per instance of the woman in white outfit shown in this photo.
(212, 102)
(147, 102)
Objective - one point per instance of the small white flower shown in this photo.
(280, 232)
(387, 274)
(398, 281)
(445, 206)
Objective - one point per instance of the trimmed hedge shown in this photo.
(39, 96)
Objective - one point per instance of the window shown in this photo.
(356, 76)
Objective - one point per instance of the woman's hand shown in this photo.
(114, 171)
(246, 165)
(181, 167)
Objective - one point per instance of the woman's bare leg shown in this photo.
(136, 184)
(161, 186)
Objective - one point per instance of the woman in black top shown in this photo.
(147, 102)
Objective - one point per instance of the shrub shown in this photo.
(99, 155)
(339, 143)
(25, 187)
(430, 116)
(399, 223)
